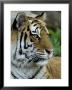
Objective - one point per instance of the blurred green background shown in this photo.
(55, 37)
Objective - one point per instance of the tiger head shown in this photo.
(35, 41)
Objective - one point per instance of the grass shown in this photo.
(55, 37)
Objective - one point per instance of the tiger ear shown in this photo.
(42, 16)
(19, 21)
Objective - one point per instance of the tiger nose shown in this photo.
(49, 51)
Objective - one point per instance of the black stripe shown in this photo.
(14, 76)
(36, 73)
(20, 51)
(40, 15)
(34, 21)
(37, 27)
(25, 37)
(14, 25)
(21, 38)
(28, 28)
(35, 24)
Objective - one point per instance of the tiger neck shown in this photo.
(26, 72)
(21, 66)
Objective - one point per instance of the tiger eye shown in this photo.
(36, 36)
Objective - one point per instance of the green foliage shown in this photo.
(55, 37)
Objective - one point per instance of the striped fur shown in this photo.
(30, 48)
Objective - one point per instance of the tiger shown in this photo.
(31, 48)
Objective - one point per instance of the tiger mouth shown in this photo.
(43, 56)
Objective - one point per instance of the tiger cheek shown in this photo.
(45, 42)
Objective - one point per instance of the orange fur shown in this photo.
(53, 68)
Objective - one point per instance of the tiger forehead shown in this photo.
(40, 22)
(35, 20)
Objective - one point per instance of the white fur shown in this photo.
(32, 28)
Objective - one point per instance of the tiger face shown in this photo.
(33, 40)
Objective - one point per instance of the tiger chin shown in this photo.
(31, 47)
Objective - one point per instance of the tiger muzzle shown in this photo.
(49, 51)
